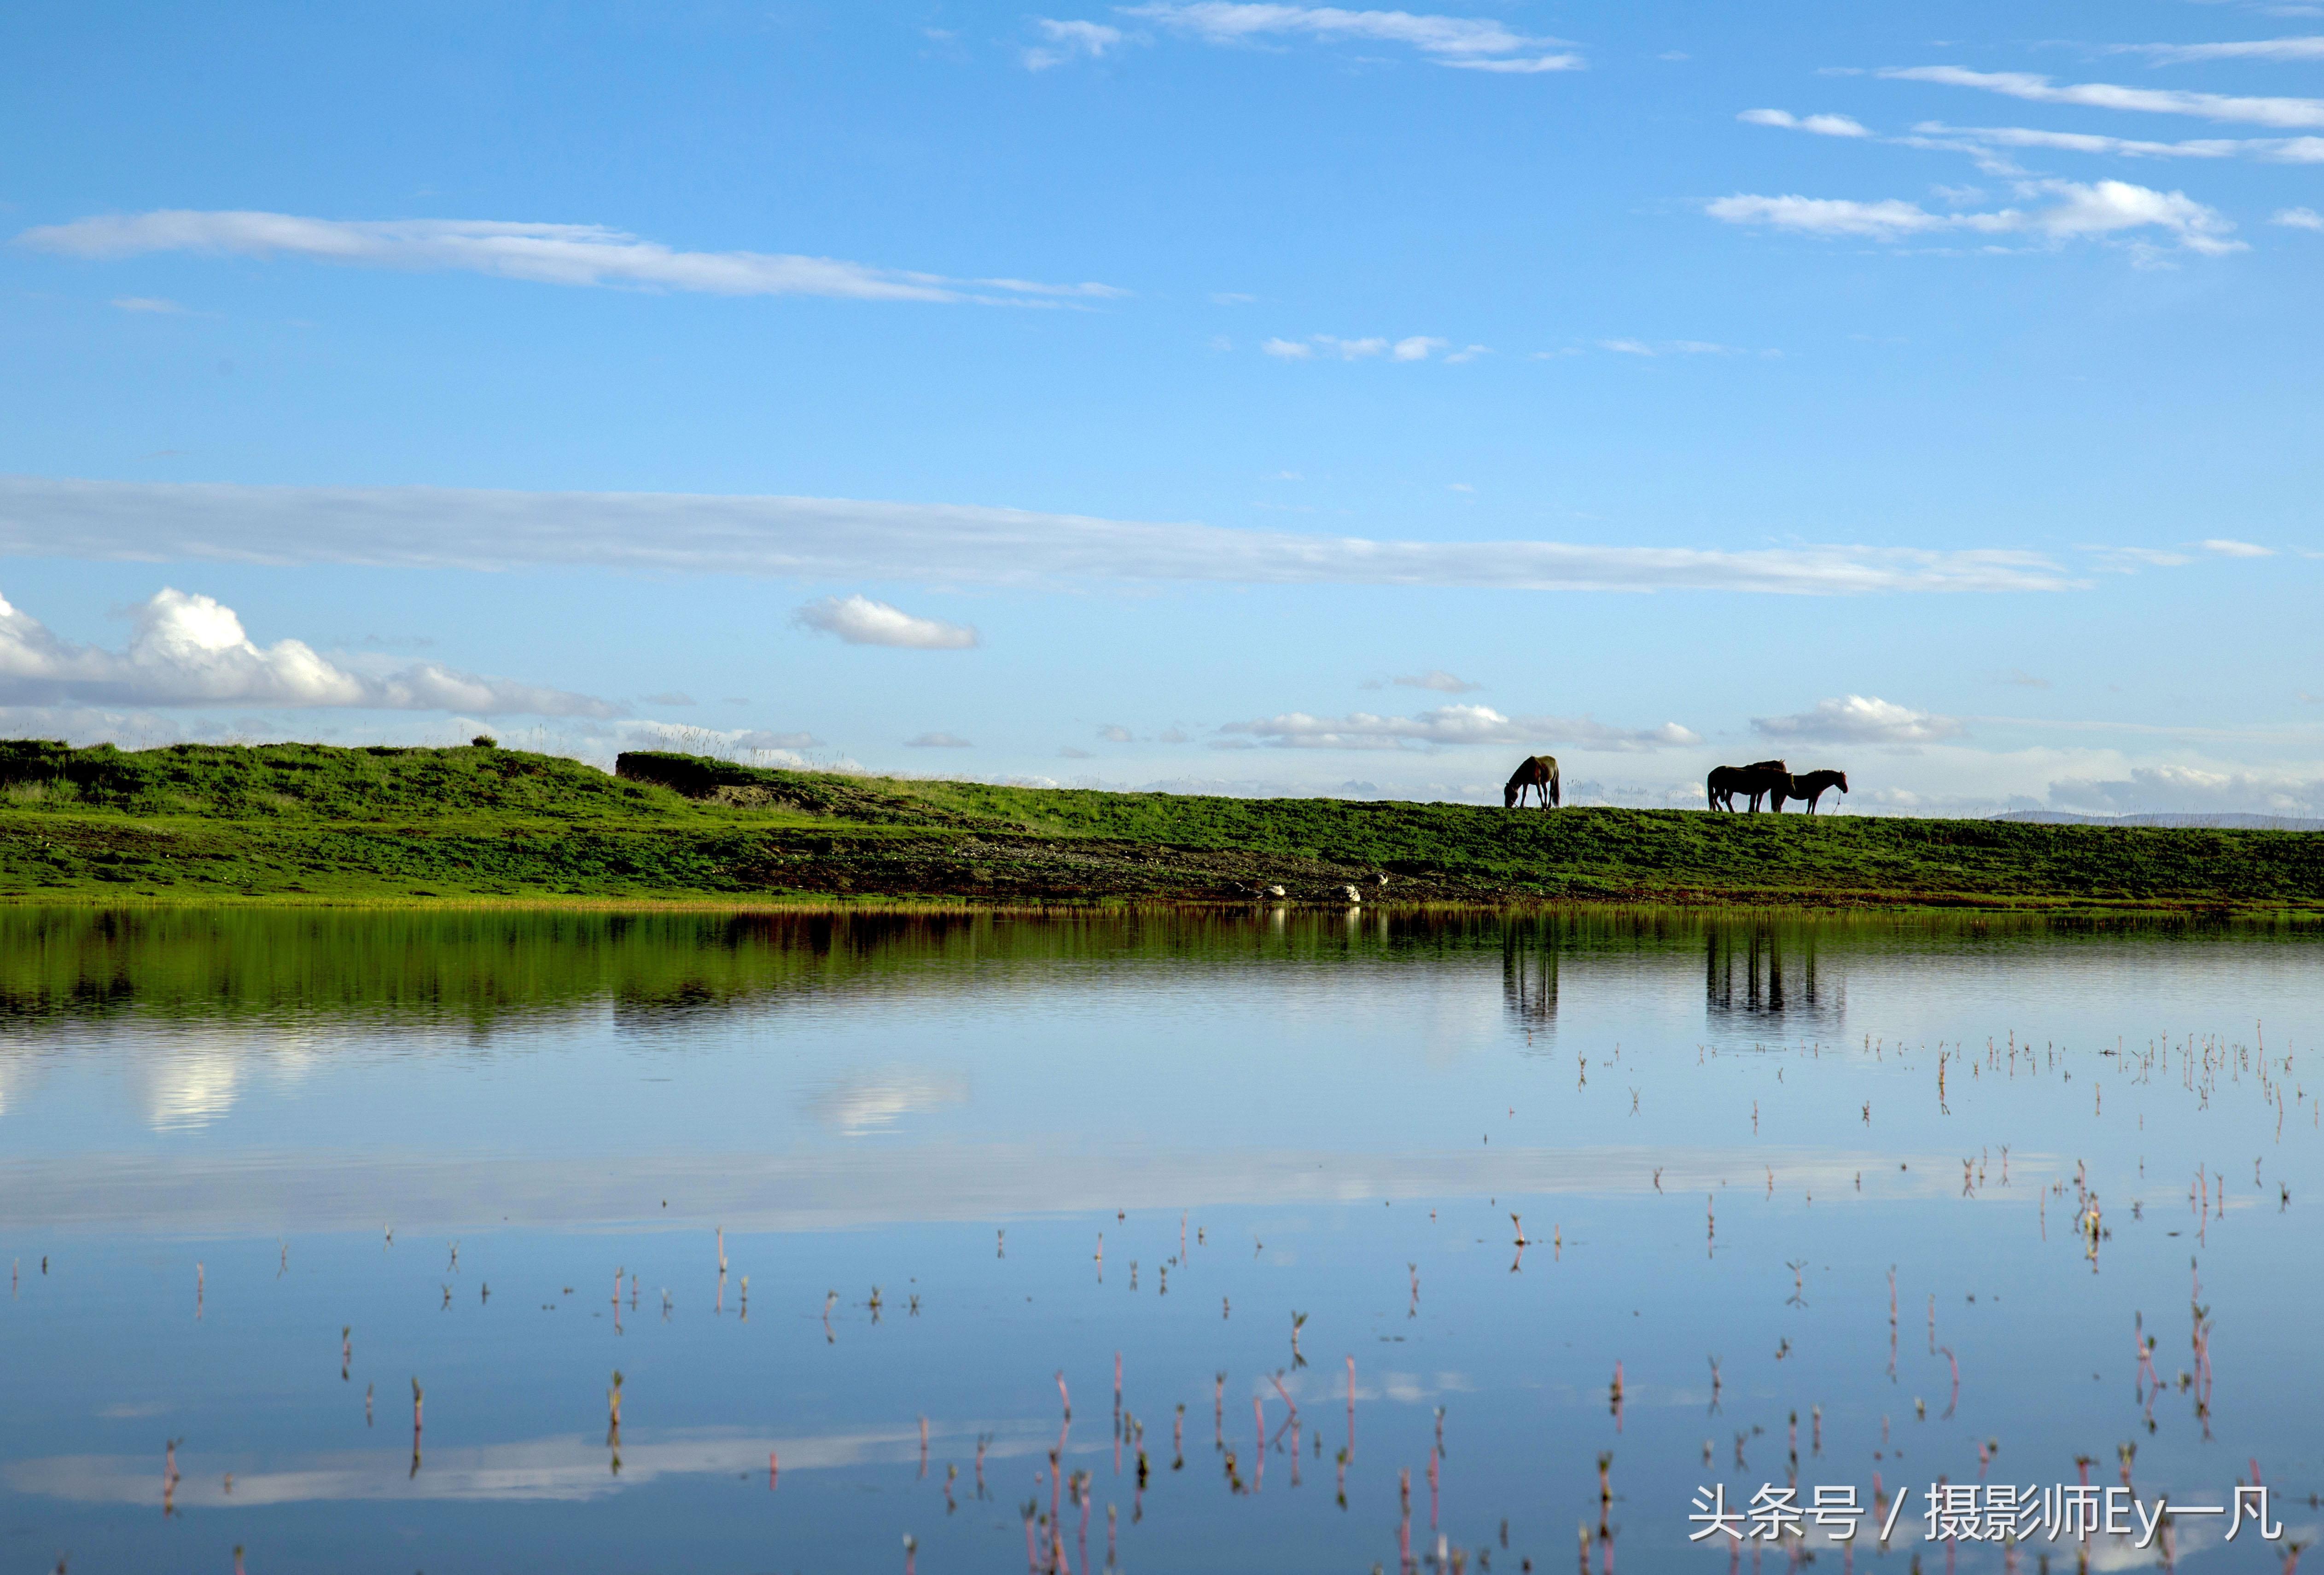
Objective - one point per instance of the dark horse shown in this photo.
(1539, 773)
(1810, 786)
(1754, 781)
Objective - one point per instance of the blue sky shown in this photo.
(1261, 398)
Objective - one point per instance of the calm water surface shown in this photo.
(952, 1165)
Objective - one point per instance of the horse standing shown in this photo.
(1809, 786)
(1539, 773)
(1755, 782)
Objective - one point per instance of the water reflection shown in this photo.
(964, 1162)
(1756, 973)
(1529, 982)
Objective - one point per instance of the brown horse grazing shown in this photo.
(1810, 786)
(1540, 773)
(1754, 781)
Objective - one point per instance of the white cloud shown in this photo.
(148, 303)
(1231, 298)
(1669, 347)
(2101, 207)
(1473, 42)
(828, 538)
(2226, 548)
(190, 650)
(1438, 679)
(2257, 49)
(2291, 113)
(1467, 353)
(1068, 42)
(547, 253)
(1114, 733)
(2187, 789)
(1858, 719)
(1447, 726)
(2126, 560)
(1822, 126)
(860, 621)
(2298, 218)
(2275, 150)
(938, 740)
(1413, 347)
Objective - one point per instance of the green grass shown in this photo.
(310, 823)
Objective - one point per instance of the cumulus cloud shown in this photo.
(1288, 349)
(547, 254)
(2185, 789)
(2298, 218)
(2226, 548)
(938, 740)
(2076, 210)
(1858, 719)
(1446, 727)
(827, 538)
(1069, 41)
(1822, 126)
(190, 650)
(860, 621)
(1471, 43)
(2037, 89)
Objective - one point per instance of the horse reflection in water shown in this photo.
(1529, 982)
(1751, 972)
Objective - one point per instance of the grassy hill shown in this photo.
(309, 823)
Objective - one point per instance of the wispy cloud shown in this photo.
(2289, 112)
(186, 649)
(2256, 49)
(1640, 347)
(1472, 43)
(2129, 561)
(829, 538)
(2228, 549)
(547, 254)
(860, 621)
(1069, 41)
(1822, 126)
(2297, 218)
(1411, 347)
(2103, 208)
(148, 303)
(938, 740)
(2274, 150)
(1448, 726)
(1435, 679)
(1858, 719)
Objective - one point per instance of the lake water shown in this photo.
(1816, 1190)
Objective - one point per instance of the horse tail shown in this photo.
(1555, 796)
